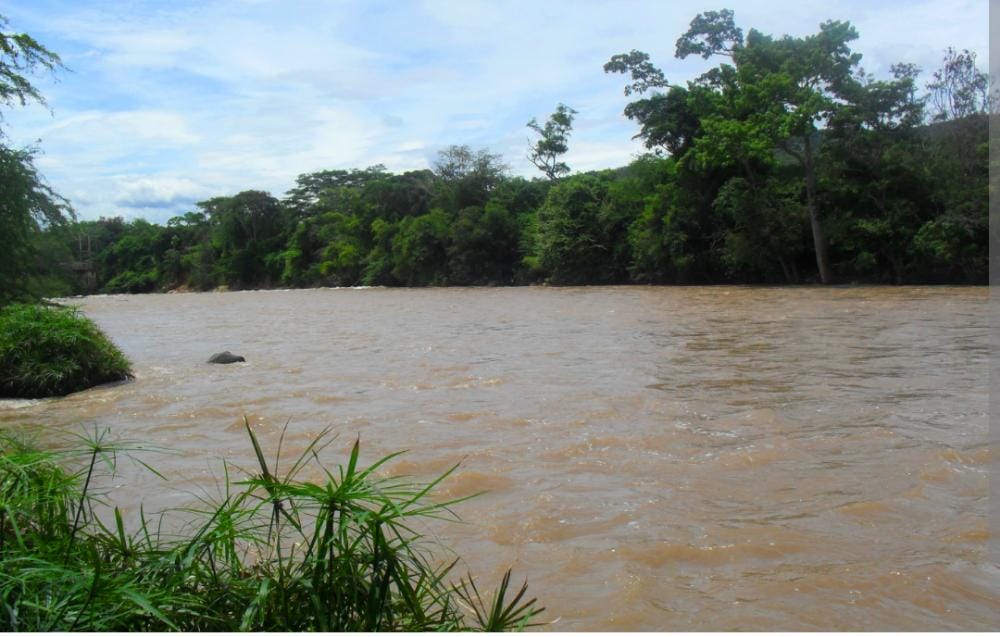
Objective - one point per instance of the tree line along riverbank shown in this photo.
(906, 205)
(785, 163)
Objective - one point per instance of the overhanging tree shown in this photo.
(27, 203)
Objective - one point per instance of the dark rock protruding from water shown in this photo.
(224, 358)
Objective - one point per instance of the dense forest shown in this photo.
(785, 163)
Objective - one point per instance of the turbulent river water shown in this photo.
(655, 458)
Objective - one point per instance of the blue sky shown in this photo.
(169, 103)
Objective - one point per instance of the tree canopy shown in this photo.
(781, 109)
(785, 162)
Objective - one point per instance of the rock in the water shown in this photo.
(224, 358)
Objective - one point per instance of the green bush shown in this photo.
(54, 351)
(271, 553)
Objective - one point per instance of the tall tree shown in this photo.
(27, 203)
(796, 84)
(552, 142)
(770, 94)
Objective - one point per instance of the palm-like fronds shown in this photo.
(274, 553)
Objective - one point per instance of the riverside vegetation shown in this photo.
(785, 163)
(273, 553)
(53, 351)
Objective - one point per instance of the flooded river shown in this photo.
(655, 458)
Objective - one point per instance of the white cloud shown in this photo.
(122, 129)
(155, 48)
(595, 155)
(158, 192)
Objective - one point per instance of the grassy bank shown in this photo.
(54, 351)
(274, 553)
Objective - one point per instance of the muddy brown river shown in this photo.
(723, 458)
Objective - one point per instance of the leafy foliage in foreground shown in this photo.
(53, 351)
(275, 554)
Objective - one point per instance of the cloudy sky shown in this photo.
(168, 103)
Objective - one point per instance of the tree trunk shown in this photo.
(819, 238)
(784, 268)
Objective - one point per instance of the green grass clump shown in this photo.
(272, 554)
(54, 351)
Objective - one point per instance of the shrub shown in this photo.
(273, 554)
(54, 351)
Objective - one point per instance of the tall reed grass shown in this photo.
(274, 553)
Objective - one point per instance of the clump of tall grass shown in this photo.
(54, 351)
(275, 553)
